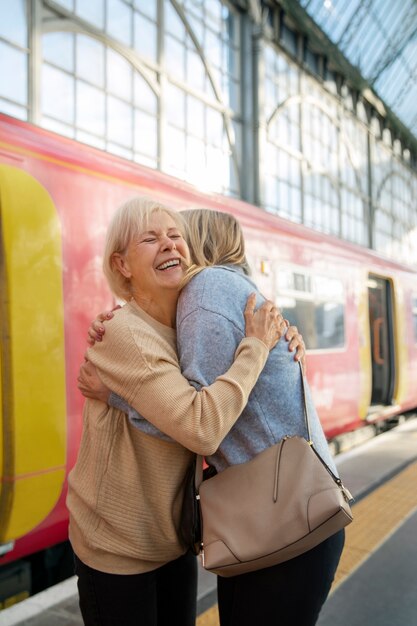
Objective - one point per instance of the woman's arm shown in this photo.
(91, 386)
(136, 420)
(96, 332)
(156, 389)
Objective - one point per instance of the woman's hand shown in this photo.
(96, 329)
(90, 384)
(266, 323)
(296, 342)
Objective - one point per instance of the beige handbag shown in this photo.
(283, 502)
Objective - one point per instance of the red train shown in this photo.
(357, 312)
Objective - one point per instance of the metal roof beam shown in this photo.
(346, 37)
(321, 42)
(385, 63)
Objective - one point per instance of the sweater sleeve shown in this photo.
(135, 419)
(154, 386)
(207, 341)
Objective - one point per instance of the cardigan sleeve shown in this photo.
(135, 419)
(150, 380)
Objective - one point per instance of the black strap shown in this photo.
(198, 478)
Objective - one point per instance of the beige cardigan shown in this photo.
(126, 488)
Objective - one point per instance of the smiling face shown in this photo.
(154, 260)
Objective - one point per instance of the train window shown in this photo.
(294, 281)
(414, 313)
(316, 305)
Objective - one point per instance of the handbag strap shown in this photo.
(346, 493)
(198, 478)
(306, 412)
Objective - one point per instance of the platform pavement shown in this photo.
(374, 462)
(383, 590)
(362, 469)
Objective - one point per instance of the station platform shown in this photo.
(376, 579)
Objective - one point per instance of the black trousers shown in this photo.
(288, 594)
(165, 596)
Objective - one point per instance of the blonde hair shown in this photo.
(129, 220)
(214, 238)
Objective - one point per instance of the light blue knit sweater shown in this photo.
(210, 326)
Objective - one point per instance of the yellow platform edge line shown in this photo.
(209, 617)
(376, 518)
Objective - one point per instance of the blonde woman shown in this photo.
(126, 488)
(292, 592)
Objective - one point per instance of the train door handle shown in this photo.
(377, 343)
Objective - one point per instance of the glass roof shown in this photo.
(379, 38)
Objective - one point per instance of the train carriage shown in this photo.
(357, 312)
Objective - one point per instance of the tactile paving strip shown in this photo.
(375, 518)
